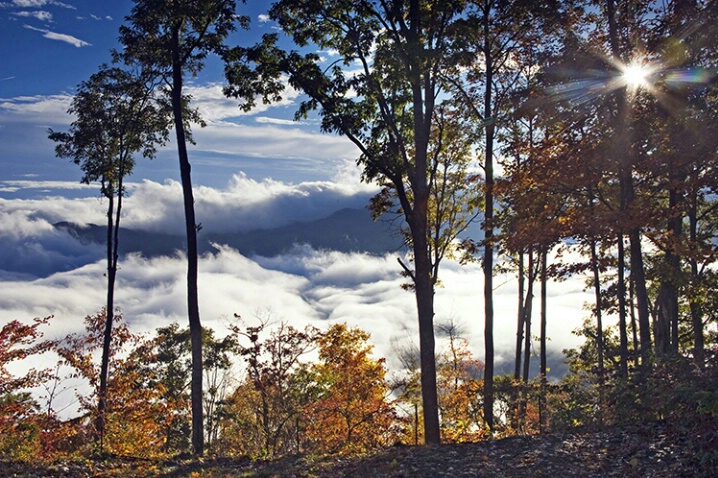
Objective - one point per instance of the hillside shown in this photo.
(346, 230)
(654, 450)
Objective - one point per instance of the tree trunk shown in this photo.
(599, 330)
(528, 314)
(424, 291)
(622, 327)
(429, 395)
(423, 102)
(109, 315)
(489, 234)
(627, 195)
(667, 302)
(543, 366)
(516, 412)
(696, 309)
(195, 327)
(634, 326)
(520, 319)
(639, 280)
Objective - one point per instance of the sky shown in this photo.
(250, 170)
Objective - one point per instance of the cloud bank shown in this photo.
(46, 271)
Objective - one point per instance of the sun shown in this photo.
(635, 75)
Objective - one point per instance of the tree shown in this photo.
(262, 414)
(386, 109)
(459, 381)
(133, 414)
(166, 366)
(172, 38)
(486, 44)
(460, 389)
(351, 412)
(117, 116)
(19, 424)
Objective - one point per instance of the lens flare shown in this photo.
(636, 75)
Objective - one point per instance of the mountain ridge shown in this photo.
(345, 230)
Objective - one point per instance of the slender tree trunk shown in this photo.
(423, 101)
(425, 307)
(599, 325)
(520, 319)
(639, 281)
(528, 315)
(622, 327)
(424, 291)
(544, 318)
(109, 308)
(666, 329)
(696, 309)
(489, 233)
(676, 273)
(634, 325)
(516, 412)
(523, 350)
(195, 326)
(663, 313)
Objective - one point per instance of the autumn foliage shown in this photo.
(282, 403)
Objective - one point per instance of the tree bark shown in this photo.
(107, 336)
(639, 280)
(543, 366)
(622, 326)
(528, 315)
(666, 330)
(517, 413)
(488, 265)
(599, 329)
(195, 327)
(520, 318)
(696, 309)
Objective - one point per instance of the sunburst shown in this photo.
(636, 75)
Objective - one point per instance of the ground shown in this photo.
(651, 450)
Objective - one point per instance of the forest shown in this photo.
(578, 134)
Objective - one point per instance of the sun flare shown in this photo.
(636, 75)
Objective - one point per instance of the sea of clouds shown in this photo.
(47, 271)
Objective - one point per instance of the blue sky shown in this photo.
(48, 47)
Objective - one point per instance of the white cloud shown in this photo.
(41, 15)
(47, 185)
(37, 109)
(245, 204)
(331, 52)
(263, 18)
(213, 105)
(29, 244)
(325, 289)
(76, 42)
(270, 140)
(40, 3)
(279, 121)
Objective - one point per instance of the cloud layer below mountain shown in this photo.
(46, 271)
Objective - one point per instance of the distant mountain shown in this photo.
(347, 230)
